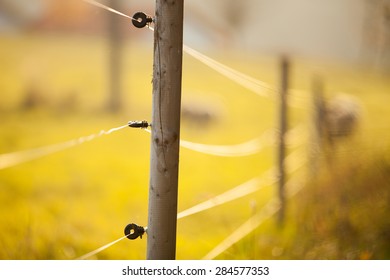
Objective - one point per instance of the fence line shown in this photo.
(12, 159)
(15, 158)
(97, 4)
(294, 162)
(263, 89)
(247, 148)
(240, 78)
(255, 85)
(243, 149)
(242, 190)
(102, 248)
(270, 209)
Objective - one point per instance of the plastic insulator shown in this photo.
(140, 19)
(138, 124)
(133, 231)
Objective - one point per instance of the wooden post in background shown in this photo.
(164, 162)
(318, 129)
(115, 58)
(284, 77)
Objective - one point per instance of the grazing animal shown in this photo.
(200, 112)
(342, 115)
(337, 119)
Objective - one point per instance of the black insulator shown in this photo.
(140, 19)
(133, 231)
(138, 124)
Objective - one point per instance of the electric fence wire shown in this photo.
(252, 84)
(250, 147)
(247, 148)
(294, 161)
(97, 4)
(102, 248)
(244, 80)
(249, 187)
(11, 159)
(294, 138)
(293, 186)
(15, 158)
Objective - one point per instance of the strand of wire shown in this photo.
(97, 4)
(15, 158)
(261, 88)
(12, 159)
(294, 161)
(255, 85)
(102, 248)
(244, 80)
(251, 146)
(249, 83)
(247, 148)
(294, 185)
(243, 149)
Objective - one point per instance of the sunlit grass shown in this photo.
(67, 204)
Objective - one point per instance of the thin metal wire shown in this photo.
(296, 98)
(266, 212)
(271, 208)
(251, 147)
(294, 161)
(255, 85)
(260, 88)
(98, 250)
(244, 80)
(244, 149)
(97, 4)
(242, 190)
(15, 158)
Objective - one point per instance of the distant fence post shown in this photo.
(318, 129)
(164, 162)
(115, 58)
(284, 77)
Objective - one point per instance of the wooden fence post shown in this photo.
(164, 162)
(284, 76)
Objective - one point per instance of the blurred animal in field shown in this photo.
(198, 111)
(33, 98)
(336, 119)
(342, 116)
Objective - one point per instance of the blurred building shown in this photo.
(351, 30)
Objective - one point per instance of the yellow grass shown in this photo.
(72, 202)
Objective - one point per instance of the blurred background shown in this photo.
(70, 69)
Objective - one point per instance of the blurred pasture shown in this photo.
(54, 87)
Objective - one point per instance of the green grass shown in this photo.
(69, 203)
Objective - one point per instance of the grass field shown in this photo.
(67, 204)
